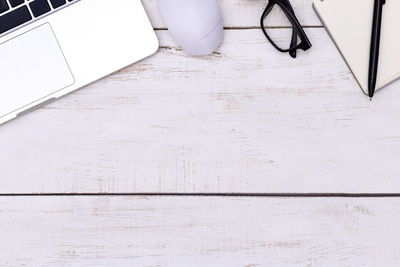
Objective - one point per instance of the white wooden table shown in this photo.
(117, 173)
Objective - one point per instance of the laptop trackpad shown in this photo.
(32, 66)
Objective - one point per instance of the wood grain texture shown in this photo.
(246, 119)
(246, 13)
(130, 231)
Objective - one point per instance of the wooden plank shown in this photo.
(131, 231)
(244, 14)
(246, 119)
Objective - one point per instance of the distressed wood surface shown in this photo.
(131, 231)
(245, 119)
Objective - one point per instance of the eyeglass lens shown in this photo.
(281, 38)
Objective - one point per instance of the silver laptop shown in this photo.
(49, 48)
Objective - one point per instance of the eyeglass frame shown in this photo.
(298, 31)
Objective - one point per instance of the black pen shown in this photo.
(375, 43)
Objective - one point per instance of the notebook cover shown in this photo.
(349, 23)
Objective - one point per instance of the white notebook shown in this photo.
(349, 23)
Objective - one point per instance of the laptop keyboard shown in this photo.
(14, 13)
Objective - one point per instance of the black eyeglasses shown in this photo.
(297, 30)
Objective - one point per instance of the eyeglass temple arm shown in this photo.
(293, 42)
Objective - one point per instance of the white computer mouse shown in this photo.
(196, 25)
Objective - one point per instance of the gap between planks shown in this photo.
(255, 27)
(244, 195)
